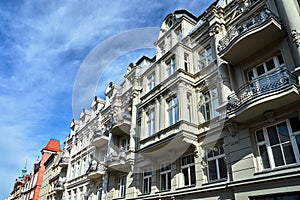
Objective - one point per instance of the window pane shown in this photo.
(193, 175)
(272, 133)
(264, 156)
(298, 142)
(146, 186)
(260, 136)
(260, 70)
(163, 182)
(280, 59)
(295, 124)
(169, 180)
(270, 65)
(186, 176)
(278, 158)
(250, 75)
(223, 170)
(212, 169)
(289, 154)
(283, 132)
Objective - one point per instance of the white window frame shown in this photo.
(121, 186)
(216, 158)
(171, 66)
(125, 143)
(276, 62)
(151, 122)
(173, 111)
(210, 103)
(151, 81)
(165, 170)
(147, 176)
(205, 57)
(186, 63)
(189, 106)
(266, 142)
(188, 166)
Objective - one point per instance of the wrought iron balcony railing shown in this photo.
(279, 79)
(241, 28)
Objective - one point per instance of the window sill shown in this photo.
(215, 182)
(186, 187)
(162, 191)
(266, 171)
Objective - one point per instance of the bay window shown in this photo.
(205, 57)
(171, 66)
(210, 103)
(173, 111)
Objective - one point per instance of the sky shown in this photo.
(46, 51)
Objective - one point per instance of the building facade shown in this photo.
(215, 114)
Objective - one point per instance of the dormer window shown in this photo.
(169, 22)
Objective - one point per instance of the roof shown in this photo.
(53, 145)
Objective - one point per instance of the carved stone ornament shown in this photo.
(270, 115)
(232, 128)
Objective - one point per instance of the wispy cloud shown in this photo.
(43, 44)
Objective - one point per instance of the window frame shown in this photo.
(122, 186)
(216, 158)
(151, 121)
(188, 166)
(147, 176)
(173, 110)
(165, 170)
(205, 57)
(151, 81)
(210, 102)
(171, 65)
(267, 143)
(254, 70)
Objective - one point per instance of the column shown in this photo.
(162, 113)
(181, 96)
(157, 113)
(289, 14)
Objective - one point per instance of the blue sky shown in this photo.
(43, 46)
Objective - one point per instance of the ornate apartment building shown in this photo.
(215, 114)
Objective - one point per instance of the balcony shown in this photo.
(63, 162)
(96, 170)
(100, 139)
(118, 161)
(121, 123)
(264, 93)
(59, 186)
(248, 37)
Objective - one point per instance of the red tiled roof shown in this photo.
(53, 145)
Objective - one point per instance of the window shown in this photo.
(78, 168)
(125, 144)
(188, 170)
(121, 186)
(215, 162)
(171, 66)
(189, 106)
(278, 145)
(147, 182)
(99, 191)
(186, 62)
(205, 58)
(165, 177)
(210, 103)
(265, 67)
(173, 111)
(151, 81)
(151, 122)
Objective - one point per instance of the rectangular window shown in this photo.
(121, 186)
(151, 81)
(278, 145)
(186, 62)
(173, 111)
(205, 58)
(151, 122)
(165, 177)
(188, 170)
(171, 66)
(210, 103)
(189, 106)
(125, 144)
(215, 162)
(147, 182)
(265, 67)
